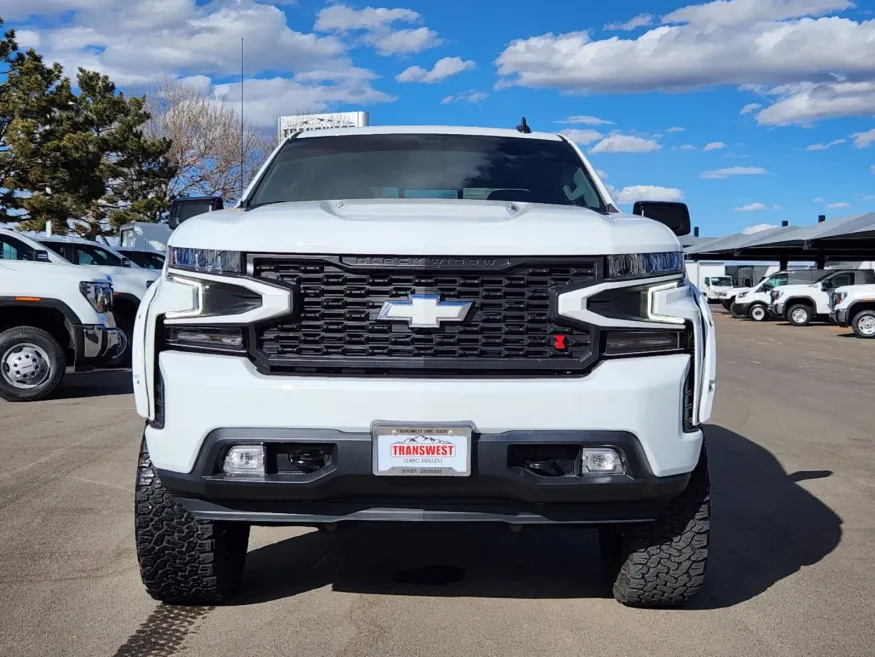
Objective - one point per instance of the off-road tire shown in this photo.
(859, 317)
(125, 326)
(57, 362)
(184, 561)
(758, 312)
(735, 312)
(726, 303)
(809, 315)
(662, 564)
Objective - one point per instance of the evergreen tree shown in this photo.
(80, 156)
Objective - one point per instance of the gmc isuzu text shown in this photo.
(425, 324)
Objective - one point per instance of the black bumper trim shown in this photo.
(347, 489)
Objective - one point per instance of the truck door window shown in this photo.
(86, 254)
(780, 279)
(839, 280)
(14, 249)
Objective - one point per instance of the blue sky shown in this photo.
(751, 111)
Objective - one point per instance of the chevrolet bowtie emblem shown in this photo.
(424, 310)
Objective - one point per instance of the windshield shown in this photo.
(721, 281)
(427, 166)
(147, 260)
(94, 255)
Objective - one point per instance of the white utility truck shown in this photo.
(52, 315)
(854, 306)
(129, 281)
(710, 278)
(429, 324)
(754, 303)
(803, 303)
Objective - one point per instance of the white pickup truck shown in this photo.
(429, 324)
(130, 281)
(854, 306)
(801, 304)
(52, 315)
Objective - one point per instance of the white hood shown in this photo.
(424, 227)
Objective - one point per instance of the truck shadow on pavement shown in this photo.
(766, 527)
(98, 383)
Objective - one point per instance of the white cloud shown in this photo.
(378, 27)
(688, 147)
(838, 205)
(757, 228)
(863, 139)
(629, 195)
(582, 136)
(751, 207)
(140, 42)
(872, 168)
(625, 144)
(730, 50)
(474, 97)
(823, 147)
(714, 146)
(17, 9)
(602, 174)
(442, 69)
(817, 200)
(342, 18)
(776, 207)
(585, 120)
(869, 197)
(268, 98)
(27, 39)
(739, 12)
(641, 20)
(750, 107)
(676, 129)
(405, 42)
(805, 103)
(733, 171)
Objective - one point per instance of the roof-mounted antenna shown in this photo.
(523, 126)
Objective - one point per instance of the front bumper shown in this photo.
(839, 317)
(95, 343)
(634, 403)
(776, 309)
(499, 489)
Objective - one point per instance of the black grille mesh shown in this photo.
(336, 324)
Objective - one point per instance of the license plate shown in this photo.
(422, 451)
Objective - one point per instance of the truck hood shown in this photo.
(424, 227)
(796, 288)
(59, 269)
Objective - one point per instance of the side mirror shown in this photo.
(182, 209)
(674, 215)
(41, 256)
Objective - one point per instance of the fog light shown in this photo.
(244, 459)
(602, 461)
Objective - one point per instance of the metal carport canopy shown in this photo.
(731, 245)
(850, 237)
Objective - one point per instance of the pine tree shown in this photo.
(74, 156)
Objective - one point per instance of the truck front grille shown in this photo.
(508, 330)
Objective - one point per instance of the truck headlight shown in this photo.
(838, 297)
(741, 295)
(208, 261)
(634, 265)
(98, 294)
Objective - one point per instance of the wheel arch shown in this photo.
(51, 315)
(858, 306)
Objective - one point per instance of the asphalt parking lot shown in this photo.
(791, 569)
